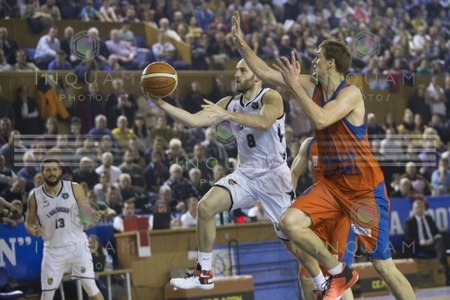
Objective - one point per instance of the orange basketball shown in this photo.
(159, 79)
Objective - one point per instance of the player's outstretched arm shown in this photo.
(258, 66)
(347, 100)
(300, 162)
(200, 119)
(272, 109)
(30, 220)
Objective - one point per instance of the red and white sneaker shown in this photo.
(199, 279)
(337, 284)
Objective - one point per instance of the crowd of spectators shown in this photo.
(131, 159)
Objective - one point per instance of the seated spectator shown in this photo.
(88, 149)
(142, 133)
(390, 147)
(15, 191)
(126, 189)
(419, 184)
(100, 128)
(421, 230)
(165, 193)
(101, 187)
(164, 27)
(51, 9)
(214, 150)
(182, 134)
(13, 146)
(430, 153)
(106, 145)
(60, 63)
(107, 11)
(113, 199)
(181, 187)
(22, 64)
(4, 66)
(404, 189)
(38, 180)
(189, 218)
(219, 51)
(203, 185)
(127, 213)
(176, 154)
(8, 46)
(86, 173)
(162, 207)
(28, 120)
(162, 129)
(435, 98)
(6, 174)
(5, 219)
(122, 133)
(258, 212)
(89, 13)
(5, 122)
(130, 15)
(68, 155)
(130, 58)
(156, 172)
(18, 205)
(29, 170)
(47, 48)
(163, 50)
(134, 170)
(120, 103)
(440, 179)
(374, 130)
(125, 34)
(137, 154)
(107, 160)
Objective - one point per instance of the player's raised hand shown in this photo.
(236, 31)
(288, 69)
(215, 111)
(157, 101)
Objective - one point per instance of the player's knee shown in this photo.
(204, 209)
(90, 287)
(294, 220)
(383, 266)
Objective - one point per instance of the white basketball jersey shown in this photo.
(259, 150)
(57, 216)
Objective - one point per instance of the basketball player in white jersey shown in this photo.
(257, 116)
(52, 210)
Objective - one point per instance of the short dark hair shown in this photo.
(48, 161)
(334, 49)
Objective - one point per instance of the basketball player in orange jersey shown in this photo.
(258, 123)
(338, 236)
(352, 182)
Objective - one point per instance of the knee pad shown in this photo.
(89, 286)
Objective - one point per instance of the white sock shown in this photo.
(318, 281)
(205, 260)
(336, 270)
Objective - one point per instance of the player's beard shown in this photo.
(52, 183)
(245, 84)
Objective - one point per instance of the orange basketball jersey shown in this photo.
(313, 154)
(344, 152)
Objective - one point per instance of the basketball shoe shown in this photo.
(199, 279)
(337, 284)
